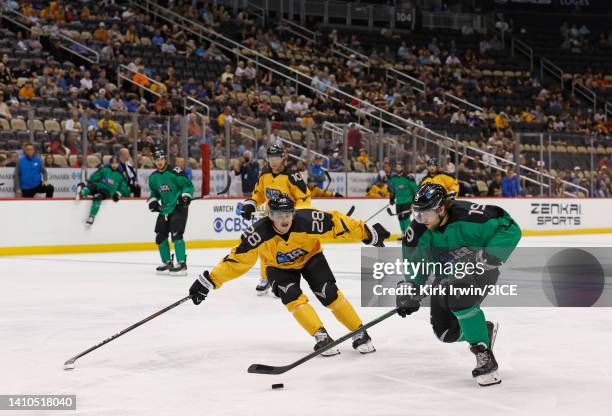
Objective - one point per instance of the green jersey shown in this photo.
(111, 181)
(470, 225)
(168, 186)
(403, 188)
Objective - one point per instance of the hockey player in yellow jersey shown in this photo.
(441, 178)
(289, 242)
(276, 179)
(317, 192)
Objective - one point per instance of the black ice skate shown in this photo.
(323, 338)
(262, 287)
(90, 220)
(179, 270)
(363, 343)
(164, 269)
(485, 372)
(492, 328)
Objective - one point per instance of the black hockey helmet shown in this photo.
(158, 153)
(275, 150)
(113, 159)
(429, 196)
(432, 161)
(280, 203)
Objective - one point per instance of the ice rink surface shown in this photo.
(193, 360)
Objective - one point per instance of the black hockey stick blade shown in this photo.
(69, 364)
(269, 369)
(390, 212)
(350, 211)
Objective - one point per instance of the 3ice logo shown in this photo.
(291, 256)
(164, 188)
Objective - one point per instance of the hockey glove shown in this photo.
(185, 200)
(116, 196)
(200, 288)
(407, 299)
(488, 261)
(247, 211)
(338, 195)
(154, 206)
(378, 234)
(392, 199)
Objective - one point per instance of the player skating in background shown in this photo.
(106, 182)
(288, 241)
(402, 189)
(317, 192)
(171, 193)
(445, 231)
(435, 175)
(276, 179)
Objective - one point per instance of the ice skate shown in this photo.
(485, 371)
(164, 269)
(363, 343)
(179, 270)
(89, 221)
(262, 287)
(323, 338)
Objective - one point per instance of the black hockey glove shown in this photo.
(200, 288)
(247, 211)
(392, 199)
(378, 234)
(185, 200)
(408, 300)
(116, 196)
(154, 206)
(338, 195)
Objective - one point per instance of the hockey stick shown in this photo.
(69, 365)
(329, 181)
(377, 212)
(269, 369)
(397, 213)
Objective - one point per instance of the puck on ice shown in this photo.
(278, 386)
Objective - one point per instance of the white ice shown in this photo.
(193, 360)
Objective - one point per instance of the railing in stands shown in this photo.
(404, 78)
(298, 30)
(547, 66)
(518, 46)
(578, 88)
(76, 48)
(454, 100)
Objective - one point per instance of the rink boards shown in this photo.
(57, 226)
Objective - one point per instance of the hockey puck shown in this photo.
(278, 386)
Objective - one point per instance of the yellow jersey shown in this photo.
(287, 182)
(448, 182)
(317, 192)
(376, 191)
(289, 251)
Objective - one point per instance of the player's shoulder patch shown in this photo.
(177, 171)
(312, 221)
(468, 211)
(413, 234)
(257, 234)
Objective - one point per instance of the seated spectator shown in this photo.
(107, 129)
(5, 111)
(495, 185)
(50, 161)
(30, 175)
(126, 167)
(510, 184)
(101, 33)
(27, 91)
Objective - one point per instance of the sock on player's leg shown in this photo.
(95, 207)
(473, 325)
(179, 250)
(164, 251)
(345, 313)
(305, 314)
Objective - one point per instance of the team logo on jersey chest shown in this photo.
(291, 256)
(164, 188)
(109, 181)
(271, 193)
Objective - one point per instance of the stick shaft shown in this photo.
(128, 329)
(377, 212)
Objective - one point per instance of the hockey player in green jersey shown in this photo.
(171, 193)
(402, 189)
(454, 232)
(106, 182)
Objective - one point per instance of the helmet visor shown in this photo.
(425, 216)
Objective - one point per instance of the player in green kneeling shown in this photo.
(454, 232)
(106, 182)
(171, 193)
(402, 189)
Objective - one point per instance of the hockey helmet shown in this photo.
(275, 150)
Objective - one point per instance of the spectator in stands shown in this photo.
(180, 163)
(86, 83)
(6, 75)
(12, 160)
(27, 91)
(126, 167)
(316, 171)
(249, 172)
(73, 124)
(495, 185)
(378, 189)
(557, 188)
(31, 175)
(354, 137)
(510, 184)
(50, 161)
(101, 34)
(5, 111)
(336, 164)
